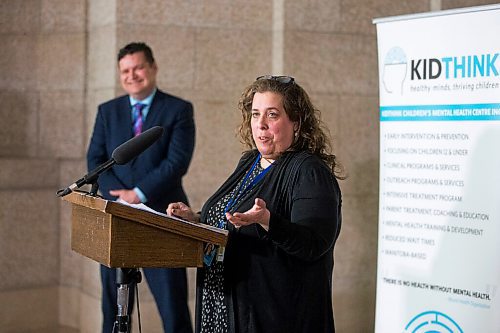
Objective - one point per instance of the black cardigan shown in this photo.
(281, 280)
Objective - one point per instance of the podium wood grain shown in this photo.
(118, 235)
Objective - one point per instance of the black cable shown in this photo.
(138, 309)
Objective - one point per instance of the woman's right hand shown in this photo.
(183, 211)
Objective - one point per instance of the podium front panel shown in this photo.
(118, 242)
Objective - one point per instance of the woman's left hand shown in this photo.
(257, 214)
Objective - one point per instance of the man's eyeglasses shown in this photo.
(279, 78)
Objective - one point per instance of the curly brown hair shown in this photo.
(312, 134)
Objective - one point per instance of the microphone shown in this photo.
(122, 154)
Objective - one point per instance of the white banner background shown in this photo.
(439, 213)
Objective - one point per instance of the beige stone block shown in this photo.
(94, 99)
(191, 275)
(29, 233)
(451, 4)
(29, 310)
(18, 63)
(71, 265)
(330, 114)
(207, 14)
(63, 16)
(362, 176)
(61, 62)
(102, 70)
(91, 277)
(174, 50)
(356, 248)
(328, 106)
(66, 329)
(252, 15)
(101, 13)
(28, 173)
(354, 304)
(19, 110)
(19, 17)
(90, 314)
(72, 269)
(210, 14)
(359, 143)
(71, 170)
(146, 13)
(217, 149)
(69, 306)
(315, 15)
(61, 124)
(227, 61)
(340, 64)
(357, 16)
(214, 13)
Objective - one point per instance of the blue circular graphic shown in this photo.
(432, 322)
(394, 56)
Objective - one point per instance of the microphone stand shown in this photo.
(122, 154)
(94, 188)
(125, 277)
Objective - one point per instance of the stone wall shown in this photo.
(58, 62)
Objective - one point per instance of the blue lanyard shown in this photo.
(244, 187)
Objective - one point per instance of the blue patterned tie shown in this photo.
(138, 118)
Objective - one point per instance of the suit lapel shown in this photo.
(124, 120)
(154, 110)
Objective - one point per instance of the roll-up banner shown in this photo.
(439, 214)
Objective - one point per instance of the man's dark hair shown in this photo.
(135, 47)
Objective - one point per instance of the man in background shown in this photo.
(153, 178)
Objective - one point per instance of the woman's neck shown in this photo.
(265, 162)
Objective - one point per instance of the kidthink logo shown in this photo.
(460, 67)
(432, 321)
(397, 66)
(394, 72)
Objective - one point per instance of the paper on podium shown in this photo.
(149, 209)
(143, 207)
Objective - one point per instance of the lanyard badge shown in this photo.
(210, 249)
(209, 254)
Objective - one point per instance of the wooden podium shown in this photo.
(121, 236)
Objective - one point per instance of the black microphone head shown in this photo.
(133, 147)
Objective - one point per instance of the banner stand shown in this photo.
(439, 213)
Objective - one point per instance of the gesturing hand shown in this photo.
(183, 211)
(257, 214)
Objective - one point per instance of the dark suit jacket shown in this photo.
(159, 169)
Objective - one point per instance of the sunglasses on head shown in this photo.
(280, 78)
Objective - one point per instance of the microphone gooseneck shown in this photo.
(133, 147)
(122, 154)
